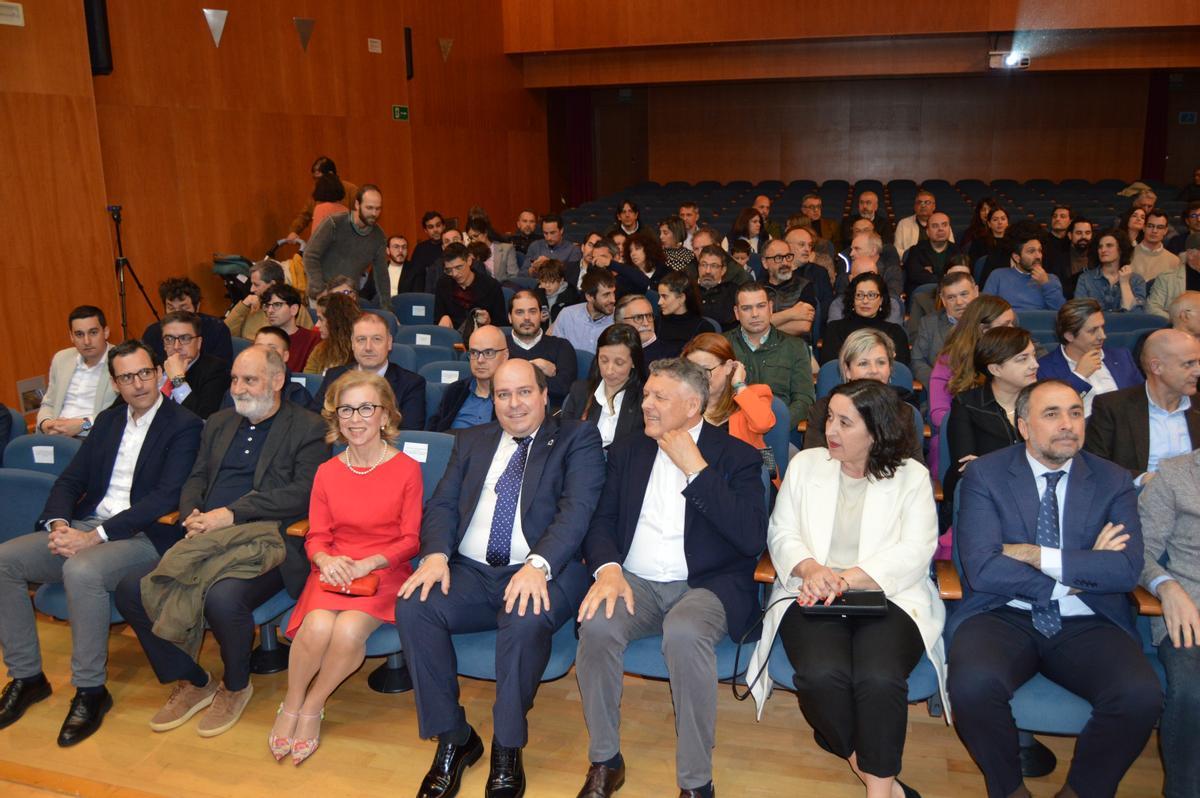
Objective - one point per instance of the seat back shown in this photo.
(418, 335)
(311, 382)
(18, 426)
(445, 371)
(240, 345)
(777, 437)
(46, 453)
(414, 308)
(433, 398)
(403, 356)
(432, 451)
(23, 496)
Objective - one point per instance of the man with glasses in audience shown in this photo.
(717, 295)
(1150, 257)
(194, 380)
(793, 298)
(99, 524)
(246, 317)
(468, 402)
(179, 294)
(636, 311)
(705, 236)
(78, 389)
(371, 341)
(282, 304)
(1190, 217)
(461, 289)
(911, 229)
(826, 229)
(868, 210)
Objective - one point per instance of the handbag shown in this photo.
(851, 604)
(363, 586)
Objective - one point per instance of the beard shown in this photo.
(254, 408)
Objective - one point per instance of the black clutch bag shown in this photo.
(852, 603)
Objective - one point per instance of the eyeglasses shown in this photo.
(640, 317)
(448, 269)
(275, 305)
(364, 410)
(1194, 215)
(142, 375)
(1155, 226)
(171, 340)
(482, 354)
(779, 258)
(708, 370)
(869, 295)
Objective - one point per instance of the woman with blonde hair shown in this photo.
(364, 523)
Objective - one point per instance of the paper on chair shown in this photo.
(417, 451)
(424, 339)
(449, 376)
(418, 310)
(43, 454)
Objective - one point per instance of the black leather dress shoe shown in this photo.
(83, 719)
(445, 774)
(506, 777)
(19, 695)
(703, 792)
(602, 781)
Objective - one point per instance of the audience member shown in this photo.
(993, 246)
(99, 524)
(1139, 426)
(675, 254)
(867, 204)
(1132, 224)
(689, 214)
(555, 357)
(468, 402)
(643, 266)
(911, 229)
(878, 534)
(977, 227)
(1190, 218)
(78, 388)
(329, 198)
(611, 395)
(427, 252)
(508, 562)
(179, 294)
(245, 318)
(371, 345)
(191, 379)
(1080, 235)
(863, 265)
(681, 317)
(1056, 246)
(285, 308)
(926, 261)
(816, 268)
(462, 289)
(762, 204)
(747, 227)
(1025, 284)
(793, 296)
(401, 276)
(347, 244)
(321, 167)
(717, 295)
(580, 324)
(277, 340)
(1150, 258)
(574, 271)
(772, 358)
(527, 231)
(1172, 283)
(234, 509)
(501, 262)
(557, 291)
(707, 237)
(1082, 360)
(636, 311)
(1043, 591)
(743, 410)
(826, 229)
(867, 247)
(1112, 282)
(628, 218)
(336, 315)
(1185, 313)
(956, 290)
(551, 245)
(683, 480)
(869, 306)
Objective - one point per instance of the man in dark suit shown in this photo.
(1136, 427)
(256, 463)
(1051, 544)
(499, 550)
(99, 524)
(179, 294)
(554, 356)
(1082, 360)
(190, 378)
(675, 539)
(372, 343)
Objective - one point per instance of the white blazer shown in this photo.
(62, 368)
(897, 540)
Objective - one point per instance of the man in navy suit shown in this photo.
(1051, 544)
(372, 343)
(672, 547)
(99, 524)
(500, 543)
(1083, 361)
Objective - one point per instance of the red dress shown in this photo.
(358, 515)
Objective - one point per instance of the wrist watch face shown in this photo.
(177, 381)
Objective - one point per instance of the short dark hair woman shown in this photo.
(866, 304)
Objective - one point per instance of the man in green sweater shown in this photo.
(771, 357)
(347, 243)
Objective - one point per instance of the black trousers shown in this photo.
(994, 653)
(852, 679)
(229, 611)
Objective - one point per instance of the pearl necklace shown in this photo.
(356, 469)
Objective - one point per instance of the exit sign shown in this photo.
(400, 113)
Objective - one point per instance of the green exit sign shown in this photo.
(400, 113)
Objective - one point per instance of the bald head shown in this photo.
(1161, 343)
(762, 204)
(1171, 360)
(487, 351)
(1185, 312)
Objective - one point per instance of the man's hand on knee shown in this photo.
(526, 585)
(610, 586)
(434, 569)
(68, 542)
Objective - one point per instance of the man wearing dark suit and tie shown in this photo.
(372, 344)
(1050, 543)
(190, 378)
(99, 524)
(672, 547)
(500, 543)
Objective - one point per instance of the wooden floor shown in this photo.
(370, 745)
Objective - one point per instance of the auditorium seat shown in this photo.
(445, 371)
(413, 308)
(23, 496)
(419, 335)
(18, 426)
(49, 454)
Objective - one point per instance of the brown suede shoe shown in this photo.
(226, 708)
(186, 699)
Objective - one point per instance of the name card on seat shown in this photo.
(417, 451)
(449, 376)
(43, 454)
(418, 310)
(424, 339)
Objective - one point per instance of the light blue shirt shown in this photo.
(475, 410)
(577, 325)
(1022, 292)
(1169, 434)
(565, 252)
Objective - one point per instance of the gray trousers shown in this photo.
(88, 577)
(691, 622)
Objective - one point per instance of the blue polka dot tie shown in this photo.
(508, 490)
(1048, 620)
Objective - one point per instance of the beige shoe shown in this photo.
(186, 699)
(226, 708)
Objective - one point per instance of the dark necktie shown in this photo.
(508, 490)
(1048, 620)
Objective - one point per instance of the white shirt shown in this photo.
(1101, 380)
(1052, 557)
(394, 272)
(116, 499)
(80, 399)
(656, 553)
(607, 423)
(527, 346)
(474, 542)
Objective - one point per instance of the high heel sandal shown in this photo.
(302, 749)
(281, 746)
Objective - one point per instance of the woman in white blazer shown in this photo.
(857, 515)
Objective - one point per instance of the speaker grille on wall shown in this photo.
(95, 15)
(408, 61)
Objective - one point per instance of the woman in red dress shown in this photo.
(364, 518)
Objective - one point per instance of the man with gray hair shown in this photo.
(256, 463)
(672, 547)
(1185, 313)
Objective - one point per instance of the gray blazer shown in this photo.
(504, 262)
(1170, 511)
(931, 334)
(61, 369)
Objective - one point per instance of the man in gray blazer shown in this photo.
(79, 387)
(956, 290)
(1169, 508)
(503, 264)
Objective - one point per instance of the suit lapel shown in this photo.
(1025, 493)
(222, 440)
(281, 429)
(820, 505)
(535, 463)
(1080, 491)
(1138, 426)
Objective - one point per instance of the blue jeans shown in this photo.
(1179, 728)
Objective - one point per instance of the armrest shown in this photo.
(298, 529)
(1147, 602)
(949, 585)
(938, 494)
(927, 432)
(170, 519)
(917, 386)
(765, 570)
(803, 425)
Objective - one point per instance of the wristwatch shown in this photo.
(87, 425)
(177, 381)
(539, 563)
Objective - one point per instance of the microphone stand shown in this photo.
(122, 265)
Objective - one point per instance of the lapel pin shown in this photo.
(550, 442)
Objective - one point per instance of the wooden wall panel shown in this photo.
(1015, 126)
(57, 249)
